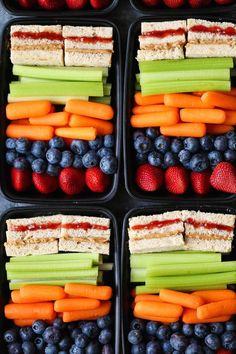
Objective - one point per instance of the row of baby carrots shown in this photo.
(197, 307)
(74, 302)
(37, 120)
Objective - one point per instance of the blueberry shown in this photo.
(71, 326)
(10, 144)
(193, 340)
(11, 155)
(28, 348)
(104, 322)
(191, 144)
(65, 343)
(90, 159)
(201, 330)
(79, 147)
(14, 348)
(109, 141)
(176, 145)
(30, 158)
(58, 323)
(138, 324)
(215, 157)
(163, 332)
(11, 335)
(167, 347)
(220, 143)
(206, 143)
(38, 149)
(151, 327)
(76, 350)
(231, 134)
(77, 161)
(232, 143)
(137, 134)
(53, 156)
(207, 350)
(51, 349)
(63, 352)
(107, 349)
(162, 144)
(176, 326)
(39, 166)
(57, 143)
(228, 340)
(170, 159)
(75, 332)
(22, 145)
(26, 333)
(184, 156)
(105, 336)
(53, 170)
(108, 165)
(52, 335)
(212, 341)
(93, 348)
(230, 326)
(135, 336)
(216, 327)
(142, 144)
(155, 158)
(199, 162)
(152, 133)
(194, 349)
(105, 152)
(230, 155)
(97, 143)
(178, 341)
(153, 347)
(67, 159)
(39, 344)
(90, 329)
(141, 158)
(21, 163)
(187, 330)
(81, 340)
(138, 348)
(39, 326)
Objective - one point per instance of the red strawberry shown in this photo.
(96, 180)
(174, 4)
(76, 4)
(224, 2)
(99, 4)
(21, 179)
(51, 4)
(201, 182)
(44, 183)
(27, 4)
(72, 180)
(198, 3)
(177, 180)
(223, 177)
(224, 351)
(151, 3)
(149, 178)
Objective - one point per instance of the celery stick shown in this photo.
(56, 88)
(186, 64)
(23, 79)
(106, 266)
(142, 289)
(184, 86)
(52, 99)
(95, 257)
(48, 266)
(104, 99)
(138, 275)
(14, 285)
(107, 89)
(191, 280)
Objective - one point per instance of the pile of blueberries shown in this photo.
(50, 157)
(179, 338)
(195, 154)
(93, 337)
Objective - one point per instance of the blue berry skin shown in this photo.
(90, 329)
(138, 348)
(90, 159)
(153, 347)
(30, 158)
(14, 348)
(212, 341)
(65, 343)
(109, 141)
(230, 155)
(199, 162)
(53, 156)
(81, 340)
(58, 323)
(220, 143)
(138, 324)
(162, 144)
(155, 158)
(10, 336)
(22, 145)
(141, 158)
(21, 163)
(76, 350)
(142, 144)
(207, 350)
(53, 170)
(178, 341)
(176, 145)
(167, 347)
(152, 133)
(184, 156)
(135, 336)
(215, 157)
(10, 144)
(137, 134)
(79, 147)
(57, 143)
(206, 143)
(232, 143)
(39, 327)
(28, 348)
(39, 344)
(75, 332)
(26, 333)
(104, 322)
(104, 151)
(163, 332)
(107, 349)
(170, 159)
(216, 327)
(201, 330)
(192, 145)
(151, 328)
(93, 348)
(52, 335)
(105, 336)
(67, 159)
(96, 144)
(71, 326)
(63, 352)
(39, 166)
(228, 340)
(51, 349)
(108, 165)
(176, 326)
(78, 163)
(194, 349)
(230, 326)
(11, 155)
(38, 149)
(231, 134)
(187, 330)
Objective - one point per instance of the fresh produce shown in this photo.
(52, 5)
(179, 3)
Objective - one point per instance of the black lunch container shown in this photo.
(125, 264)
(111, 278)
(115, 77)
(131, 68)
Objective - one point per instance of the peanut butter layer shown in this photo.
(161, 46)
(212, 41)
(90, 51)
(155, 235)
(37, 47)
(30, 240)
(209, 237)
(86, 239)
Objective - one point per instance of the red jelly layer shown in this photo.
(154, 224)
(228, 31)
(36, 227)
(38, 35)
(84, 226)
(90, 39)
(209, 225)
(165, 33)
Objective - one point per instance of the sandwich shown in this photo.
(37, 45)
(156, 233)
(162, 40)
(210, 39)
(85, 234)
(88, 46)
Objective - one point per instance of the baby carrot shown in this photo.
(147, 100)
(230, 118)
(102, 310)
(182, 100)
(216, 129)
(17, 299)
(76, 304)
(215, 295)
(24, 323)
(196, 130)
(219, 100)
(155, 318)
(58, 119)
(190, 317)
(216, 309)
(84, 133)
(152, 108)
(199, 93)
(103, 127)
(41, 311)
(89, 291)
(180, 298)
(144, 297)
(21, 110)
(214, 116)
(36, 132)
(22, 121)
(90, 109)
(42, 292)
(160, 309)
(155, 119)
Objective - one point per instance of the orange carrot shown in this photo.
(232, 92)
(89, 291)
(40, 310)
(147, 100)
(230, 118)
(197, 130)
(180, 298)
(84, 133)
(155, 318)
(200, 93)
(53, 109)
(216, 129)
(17, 299)
(75, 304)
(102, 310)
(58, 119)
(160, 309)
(22, 121)
(35, 132)
(24, 323)
(190, 317)
(42, 292)
(90, 109)
(215, 295)
(152, 108)
(21, 110)
(182, 100)
(155, 119)
(216, 309)
(219, 100)
(214, 116)
(103, 127)
(145, 297)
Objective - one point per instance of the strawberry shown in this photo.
(27, 4)
(72, 180)
(224, 351)
(21, 179)
(174, 4)
(44, 183)
(177, 180)
(76, 4)
(223, 177)
(51, 4)
(224, 2)
(149, 178)
(99, 4)
(151, 3)
(198, 3)
(96, 180)
(201, 182)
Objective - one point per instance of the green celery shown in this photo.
(23, 79)
(104, 99)
(107, 89)
(49, 266)
(52, 99)
(106, 267)
(138, 275)
(142, 289)
(95, 257)
(14, 285)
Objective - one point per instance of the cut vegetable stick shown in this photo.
(230, 118)
(52, 99)
(212, 116)
(161, 309)
(102, 127)
(21, 110)
(95, 257)
(219, 100)
(24, 323)
(232, 92)
(17, 284)
(180, 298)
(53, 274)
(142, 289)
(217, 309)
(76, 304)
(147, 100)
(216, 295)
(43, 266)
(190, 317)
(22, 121)
(84, 133)
(216, 129)
(89, 291)
(102, 310)
(41, 311)
(90, 109)
(155, 119)
(36, 132)
(181, 100)
(154, 298)
(17, 299)
(199, 93)
(155, 318)
(196, 130)
(42, 292)
(152, 108)
(58, 119)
